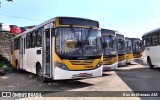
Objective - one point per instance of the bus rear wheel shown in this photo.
(40, 76)
(150, 64)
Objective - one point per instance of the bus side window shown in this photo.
(148, 40)
(155, 39)
(24, 44)
(159, 37)
(39, 38)
(28, 42)
(18, 44)
(33, 39)
(15, 44)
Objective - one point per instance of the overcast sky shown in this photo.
(132, 18)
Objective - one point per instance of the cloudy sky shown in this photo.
(132, 18)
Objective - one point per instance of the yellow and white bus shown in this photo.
(120, 41)
(151, 43)
(136, 48)
(110, 56)
(60, 48)
(129, 52)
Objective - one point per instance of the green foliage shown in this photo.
(4, 65)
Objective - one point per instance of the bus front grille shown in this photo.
(81, 62)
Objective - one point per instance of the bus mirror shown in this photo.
(71, 43)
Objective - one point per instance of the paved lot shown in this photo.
(135, 77)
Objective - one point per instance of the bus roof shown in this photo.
(78, 21)
(108, 31)
(127, 38)
(150, 32)
(65, 21)
(135, 38)
(36, 27)
(120, 35)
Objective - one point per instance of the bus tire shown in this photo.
(150, 63)
(129, 63)
(39, 73)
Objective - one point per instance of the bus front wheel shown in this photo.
(40, 76)
(150, 63)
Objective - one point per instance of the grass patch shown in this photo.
(6, 66)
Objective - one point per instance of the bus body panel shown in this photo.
(144, 56)
(129, 58)
(110, 63)
(32, 58)
(64, 74)
(153, 54)
(111, 66)
(122, 63)
(15, 58)
(137, 56)
(121, 59)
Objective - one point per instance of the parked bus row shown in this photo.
(119, 50)
(68, 48)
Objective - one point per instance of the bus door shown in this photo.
(47, 52)
(21, 54)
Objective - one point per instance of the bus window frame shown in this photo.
(147, 40)
(156, 34)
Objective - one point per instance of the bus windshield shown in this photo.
(78, 42)
(128, 45)
(110, 41)
(120, 44)
(136, 46)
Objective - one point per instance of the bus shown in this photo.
(120, 41)
(129, 52)
(110, 56)
(151, 48)
(137, 48)
(60, 48)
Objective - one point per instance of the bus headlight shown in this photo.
(61, 65)
(99, 64)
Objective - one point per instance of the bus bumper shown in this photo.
(122, 63)
(110, 67)
(60, 74)
(128, 61)
(137, 58)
